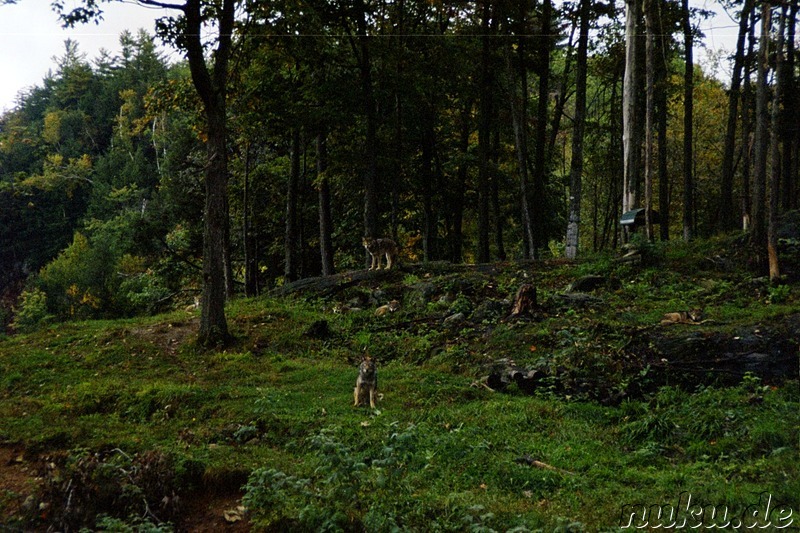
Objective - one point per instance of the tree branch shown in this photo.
(164, 5)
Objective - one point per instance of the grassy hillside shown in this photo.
(125, 425)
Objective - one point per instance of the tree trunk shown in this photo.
(497, 209)
(561, 94)
(576, 169)
(540, 166)
(630, 141)
(371, 192)
(428, 187)
(649, 119)
(292, 228)
(759, 235)
(688, 125)
(790, 118)
(519, 121)
(325, 218)
(484, 133)
(664, 188)
(747, 128)
(457, 208)
(250, 264)
(212, 89)
(727, 212)
(775, 153)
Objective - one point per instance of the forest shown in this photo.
(467, 132)
(592, 323)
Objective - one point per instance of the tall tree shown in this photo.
(748, 117)
(661, 103)
(516, 65)
(248, 242)
(210, 79)
(576, 169)
(790, 118)
(292, 234)
(688, 124)
(727, 212)
(630, 141)
(649, 148)
(775, 152)
(485, 112)
(325, 217)
(761, 141)
(540, 161)
(371, 185)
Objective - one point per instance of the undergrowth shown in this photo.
(122, 419)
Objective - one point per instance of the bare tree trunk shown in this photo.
(291, 236)
(747, 128)
(775, 153)
(519, 114)
(457, 211)
(499, 219)
(688, 126)
(484, 132)
(649, 142)
(371, 193)
(540, 167)
(759, 235)
(250, 265)
(561, 93)
(630, 142)
(576, 169)
(428, 187)
(664, 189)
(790, 118)
(325, 218)
(726, 209)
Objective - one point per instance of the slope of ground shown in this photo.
(607, 407)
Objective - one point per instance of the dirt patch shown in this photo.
(201, 511)
(208, 513)
(18, 480)
(169, 336)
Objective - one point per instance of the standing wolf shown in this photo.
(377, 248)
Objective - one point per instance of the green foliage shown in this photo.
(32, 311)
(135, 524)
(440, 452)
(109, 488)
(779, 294)
(345, 481)
(710, 424)
(74, 281)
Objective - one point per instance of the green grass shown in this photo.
(440, 452)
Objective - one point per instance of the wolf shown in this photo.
(377, 248)
(391, 307)
(367, 382)
(693, 316)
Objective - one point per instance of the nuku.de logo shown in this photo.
(766, 513)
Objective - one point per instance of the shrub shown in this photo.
(349, 490)
(86, 488)
(75, 281)
(32, 312)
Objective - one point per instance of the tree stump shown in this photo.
(524, 301)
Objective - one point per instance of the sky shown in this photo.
(31, 37)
